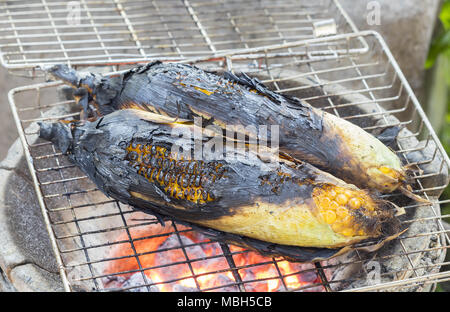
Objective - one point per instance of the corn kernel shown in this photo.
(355, 203)
(385, 170)
(347, 232)
(342, 212)
(349, 193)
(329, 216)
(332, 194)
(325, 203)
(337, 227)
(341, 199)
(334, 205)
(348, 220)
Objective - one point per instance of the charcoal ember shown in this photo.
(171, 252)
(136, 280)
(308, 276)
(183, 288)
(318, 288)
(122, 282)
(256, 273)
(221, 279)
(113, 282)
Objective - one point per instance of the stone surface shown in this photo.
(25, 242)
(26, 222)
(10, 254)
(29, 277)
(5, 284)
(13, 156)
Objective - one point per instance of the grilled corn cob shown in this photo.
(322, 139)
(130, 156)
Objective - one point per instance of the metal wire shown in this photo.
(85, 226)
(93, 32)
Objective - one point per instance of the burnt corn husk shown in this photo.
(306, 133)
(271, 204)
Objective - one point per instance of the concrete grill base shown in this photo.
(26, 258)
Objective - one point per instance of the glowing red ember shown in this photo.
(163, 253)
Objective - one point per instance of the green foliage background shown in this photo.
(440, 48)
(440, 53)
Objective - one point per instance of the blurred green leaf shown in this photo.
(447, 70)
(439, 45)
(440, 48)
(445, 14)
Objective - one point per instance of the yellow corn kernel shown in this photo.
(329, 216)
(347, 232)
(341, 212)
(349, 193)
(355, 203)
(334, 205)
(341, 199)
(347, 221)
(332, 194)
(337, 227)
(325, 203)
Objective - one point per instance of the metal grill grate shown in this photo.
(364, 86)
(116, 31)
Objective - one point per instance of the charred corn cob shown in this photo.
(322, 139)
(130, 156)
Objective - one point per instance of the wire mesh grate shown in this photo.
(90, 32)
(101, 244)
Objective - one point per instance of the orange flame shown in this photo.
(165, 264)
